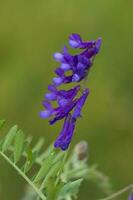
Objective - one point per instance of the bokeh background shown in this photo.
(30, 32)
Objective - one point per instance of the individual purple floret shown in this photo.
(64, 138)
(80, 103)
(69, 102)
(66, 102)
(75, 41)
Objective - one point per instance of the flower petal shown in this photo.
(58, 57)
(80, 104)
(65, 137)
(57, 81)
(75, 40)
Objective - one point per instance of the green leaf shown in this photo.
(27, 143)
(38, 145)
(2, 122)
(77, 173)
(46, 166)
(31, 157)
(46, 153)
(1, 143)
(51, 191)
(22, 174)
(70, 188)
(9, 138)
(18, 145)
(59, 156)
(53, 172)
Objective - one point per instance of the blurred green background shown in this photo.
(30, 32)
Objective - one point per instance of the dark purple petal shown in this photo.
(59, 72)
(66, 96)
(47, 105)
(81, 69)
(64, 130)
(79, 75)
(80, 104)
(98, 44)
(75, 40)
(52, 96)
(65, 102)
(89, 44)
(66, 140)
(57, 81)
(68, 58)
(65, 137)
(69, 94)
(63, 111)
(49, 110)
(91, 52)
(83, 62)
(68, 79)
(52, 88)
(65, 50)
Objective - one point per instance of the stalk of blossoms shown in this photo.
(69, 103)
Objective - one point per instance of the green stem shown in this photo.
(62, 166)
(41, 195)
(118, 193)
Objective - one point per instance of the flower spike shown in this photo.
(69, 104)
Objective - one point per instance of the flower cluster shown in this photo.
(69, 106)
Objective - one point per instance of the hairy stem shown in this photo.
(118, 193)
(40, 194)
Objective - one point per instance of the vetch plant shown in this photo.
(57, 174)
(69, 106)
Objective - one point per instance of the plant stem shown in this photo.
(116, 194)
(61, 169)
(40, 194)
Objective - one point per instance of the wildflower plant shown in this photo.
(58, 175)
(69, 106)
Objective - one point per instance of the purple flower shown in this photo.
(48, 110)
(75, 41)
(64, 138)
(78, 64)
(69, 103)
(66, 102)
(61, 94)
(130, 197)
(62, 111)
(63, 57)
(80, 104)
